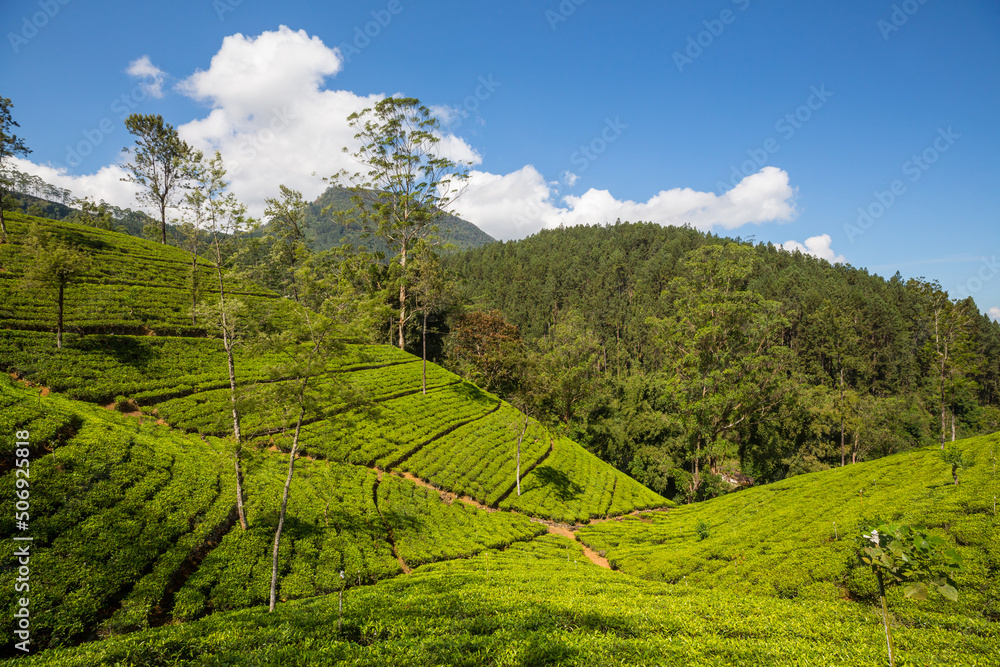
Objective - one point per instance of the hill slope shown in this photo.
(142, 506)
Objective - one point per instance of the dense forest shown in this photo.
(695, 362)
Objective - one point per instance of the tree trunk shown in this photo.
(194, 287)
(284, 506)
(519, 439)
(841, 415)
(402, 299)
(885, 620)
(953, 426)
(423, 378)
(163, 221)
(3, 224)
(59, 318)
(227, 342)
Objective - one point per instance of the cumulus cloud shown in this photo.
(522, 202)
(994, 313)
(817, 246)
(143, 68)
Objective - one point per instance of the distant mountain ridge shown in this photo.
(328, 232)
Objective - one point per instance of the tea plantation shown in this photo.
(407, 504)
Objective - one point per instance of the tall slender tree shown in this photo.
(225, 222)
(10, 145)
(159, 163)
(407, 184)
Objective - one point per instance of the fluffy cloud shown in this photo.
(994, 313)
(143, 68)
(522, 202)
(817, 246)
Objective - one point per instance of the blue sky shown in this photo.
(776, 121)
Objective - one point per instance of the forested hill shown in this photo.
(695, 354)
(329, 232)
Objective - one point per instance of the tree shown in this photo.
(159, 166)
(485, 348)
(564, 368)
(304, 349)
(432, 290)
(408, 184)
(287, 231)
(55, 264)
(725, 364)
(952, 455)
(93, 214)
(10, 145)
(950, 345)
(225, 221)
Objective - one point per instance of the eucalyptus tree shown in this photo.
(160, 161)
(406, 184)
(224, 219)
(286, 229)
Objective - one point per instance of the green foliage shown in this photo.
(953, 456)
(703, 529)
(531, 605)
(902, 554)
(792, 538)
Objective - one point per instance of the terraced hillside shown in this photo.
(796, 538)
(133, 489)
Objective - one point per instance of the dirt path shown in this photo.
(565, 531)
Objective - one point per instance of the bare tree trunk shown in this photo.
(3, 224)
(59, 320)
(227, 342)
(402, 299)
(953, 426)
(194, 287)
(284, 506)
(841, 416)
(423, 378)
(519, 439)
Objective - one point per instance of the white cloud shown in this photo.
(144, 68)
(106, 184)
(817, 246)
(994, 313)
(521, 203)
(570, 179)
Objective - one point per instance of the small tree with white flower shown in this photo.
(907, 555)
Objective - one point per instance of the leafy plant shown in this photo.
(907, 555)
(702, 529)
(952, 455)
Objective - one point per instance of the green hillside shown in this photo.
(132, 483)
(137, 554)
